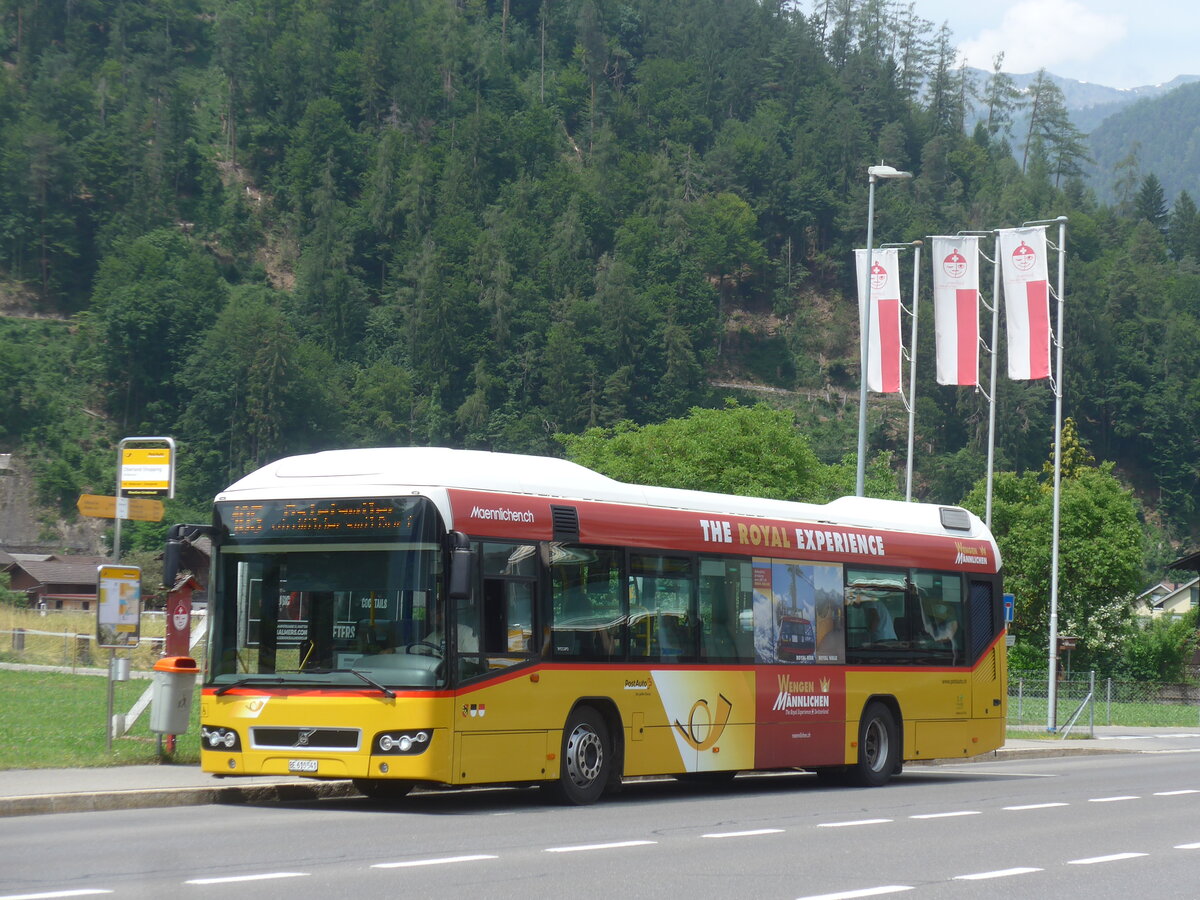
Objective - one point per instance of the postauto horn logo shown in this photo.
(704, 728)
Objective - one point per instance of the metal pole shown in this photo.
(991, 447)
(864, 344)
(1092, 703)
(912, 368)
(1051, 715)
(108, 723)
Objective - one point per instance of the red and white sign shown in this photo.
(956, 309)
(1026, 301)
(883, 343)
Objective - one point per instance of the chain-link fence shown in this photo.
(1085, 700)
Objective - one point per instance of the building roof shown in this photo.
(73, 570)
(1191, 561)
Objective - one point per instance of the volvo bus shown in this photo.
(426, 616)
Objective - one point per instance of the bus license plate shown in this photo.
(302, 765)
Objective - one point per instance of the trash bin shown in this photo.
(171, 702)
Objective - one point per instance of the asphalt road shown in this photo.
(1096, 826)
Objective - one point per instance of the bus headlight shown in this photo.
(403, 743)
(219, 739)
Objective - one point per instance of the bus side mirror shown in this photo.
(178, 537)
(462, 566)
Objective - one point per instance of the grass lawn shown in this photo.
(50, 720)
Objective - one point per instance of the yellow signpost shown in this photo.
(140, 508)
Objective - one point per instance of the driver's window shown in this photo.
(505, 615)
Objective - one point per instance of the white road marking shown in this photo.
(1187, 846)
(439, 861)
(1114, 857)
(1175, 793)
(1113, 799)
(755, 833)
(51, 894)
(947, 815)
(232, 879)
(1036, 806)
(999, 873)
(854, 822)
(613, 846)
(974, 770)
(864, 892)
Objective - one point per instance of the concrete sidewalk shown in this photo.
(37, 791)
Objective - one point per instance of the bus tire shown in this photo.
(390, 789)
(585, 763)
(878, 747)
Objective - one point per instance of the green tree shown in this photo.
(1100, 555)
(1150, 204)
(752, 451)
(1160, 649)
(1003, 99)
(155, 296)
(254, 392)
(1183, 228)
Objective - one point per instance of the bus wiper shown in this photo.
(387, 692)
(253, 679)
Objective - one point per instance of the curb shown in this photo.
(42, 804)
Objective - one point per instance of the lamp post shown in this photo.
(873, 173)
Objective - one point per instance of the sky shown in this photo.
(1115, 43)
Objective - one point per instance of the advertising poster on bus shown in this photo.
(798, 612)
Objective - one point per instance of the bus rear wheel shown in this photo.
(878, 747)
(585, 763)
(383, 788)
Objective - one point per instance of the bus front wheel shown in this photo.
(585, 761)
(878, 747)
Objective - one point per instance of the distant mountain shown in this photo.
(1166, 131)
(1162, 119)
(1089, 104)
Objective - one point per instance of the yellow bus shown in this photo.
(425, 616)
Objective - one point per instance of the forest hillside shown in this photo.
(272, 226)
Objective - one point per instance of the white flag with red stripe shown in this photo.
(1026, 301)
(956, 309)
(883, 343)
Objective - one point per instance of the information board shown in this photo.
(119, 611)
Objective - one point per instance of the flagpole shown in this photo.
(990, 393)
(991, 447)
(1052, 665)
(912, 368)
(912, 356)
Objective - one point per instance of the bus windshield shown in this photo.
(342, 593)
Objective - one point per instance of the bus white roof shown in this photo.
(431, 470)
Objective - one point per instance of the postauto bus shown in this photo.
(426, 616)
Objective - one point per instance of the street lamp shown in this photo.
(873, 173)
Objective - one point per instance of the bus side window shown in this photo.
(661, 615)
(587, 603)
(722, 638)
(508, 603)
(936, 616)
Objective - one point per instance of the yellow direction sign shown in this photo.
(106, 508)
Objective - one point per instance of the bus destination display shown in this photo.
(293, 518)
